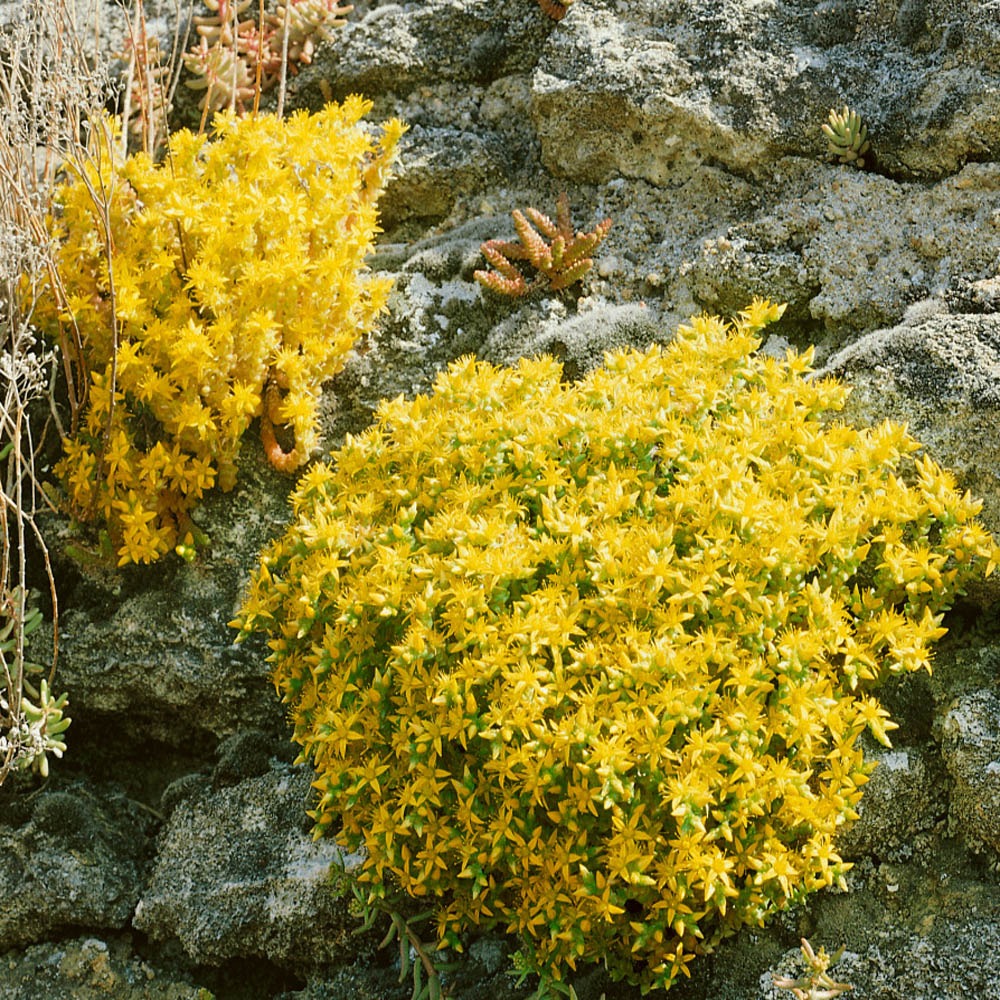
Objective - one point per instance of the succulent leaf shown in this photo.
(847, 136)
(559, 263)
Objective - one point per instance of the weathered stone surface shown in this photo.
(635, 88)
(927, 929)
(696, 127)
(850, 251)
(88, 968)
(73, 855)
(939, 373)
(579, 342)
(912, 965)
(668, 84)
(237, 874)
(906, 797)
(397, 46)
(151, 646)
(441, 165)
(970, 744)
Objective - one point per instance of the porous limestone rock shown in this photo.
(400, 46)
(237, 874)
(580, 342)
(633, 88)
(851, 251)
(905, 798)
(89, 968)
(72, 855)
(939, 373)
(970, 744)
(149, 650)
(901, 963)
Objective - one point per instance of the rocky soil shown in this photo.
(169, 855)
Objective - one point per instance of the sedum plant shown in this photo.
(846, 137)
(556, 265)
(816, 983)
(242, 52)
(589, 662)
(219, 286)
(33, 722)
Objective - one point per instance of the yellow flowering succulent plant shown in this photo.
(589, 662)
(234, 289)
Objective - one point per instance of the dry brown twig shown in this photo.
(151, 75)
(48, 90)
(236, 58)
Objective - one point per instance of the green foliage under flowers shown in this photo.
(589, 662)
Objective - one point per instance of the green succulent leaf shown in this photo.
(847, 136)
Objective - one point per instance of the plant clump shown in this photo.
(561, 262)
(239, 54)
(30, 730)
(221, 285)
(846, 137)
(589, 662)
(816, 983)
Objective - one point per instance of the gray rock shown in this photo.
(928, 929)
(850, 251)
(940, 374)
(237, 874)
(579, 342)
(696, 127)
(76, 857)
(437, 166)
(667, 85)
(89, 968)
(429, 323)
(970, 744)
(745, 84)
(151, 647)
(356, 982)
(396, 46)
(918, 966)
(906, 796)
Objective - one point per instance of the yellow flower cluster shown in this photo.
(589, 662)
(233, 291)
